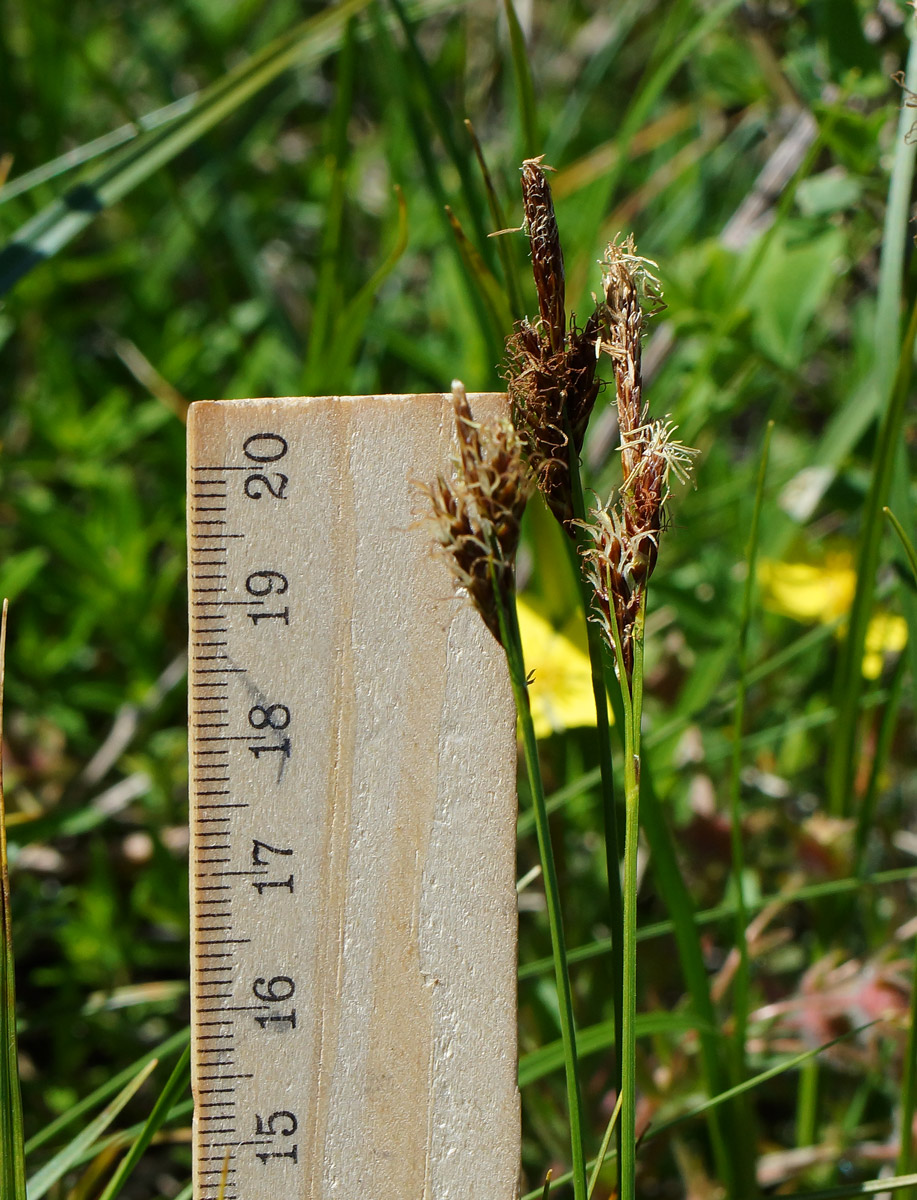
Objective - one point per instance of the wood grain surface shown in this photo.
(353, 816)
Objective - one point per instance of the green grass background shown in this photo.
(283, 232)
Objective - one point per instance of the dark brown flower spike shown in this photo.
(477, 513)
(547, 255)
(550, 369)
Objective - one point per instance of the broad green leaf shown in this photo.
(791, 285)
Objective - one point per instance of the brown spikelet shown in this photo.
(625, 535)
(477, 514)
(550, 369)
(547, 255)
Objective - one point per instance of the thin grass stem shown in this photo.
(12, 1156)
(891, 387)
(633, 705)
(789, 1064)
(603, 737)
(603, 1149)
(909, 1083)
(525, 88)
(742, 977)
(807, 1104)
(512, 644)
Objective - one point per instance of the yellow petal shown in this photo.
(806, 591)
(885, 634)
(811, 592)
(561, 691)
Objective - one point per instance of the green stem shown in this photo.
(909, 1085)
(742, 977)
(512, 644)
(632, 695)
(631, 842)
(603, 735)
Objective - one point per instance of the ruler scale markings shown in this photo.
(307, 496)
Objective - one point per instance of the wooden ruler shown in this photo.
(352, 816)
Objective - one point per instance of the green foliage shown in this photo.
(242, 199)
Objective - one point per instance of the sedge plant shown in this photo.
(553, 385)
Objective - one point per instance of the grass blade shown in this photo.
(443, 122)
(905, 541)
(888, 392)
(649, 92)
(489, 290)
(850, 673)
(909, 1080)
(108, 1088)
(507, 260)
(678, 902)
(12, 1157)
(525, 89)
(61, 221)
(72, 1153)
(177, 1083)
(742, 981)
(80, 155)
(327, 293)
(723, 912)
(781, 1068)
(595, 1038)
(871, 1188)
(512, 644)
(351, 321)
(491, 336)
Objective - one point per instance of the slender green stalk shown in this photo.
(740, 987)
(327, 298)
(507, 261)
(176, 1084)
(887, 727)
(64, 218)
(909, 1082)
(629, 938)
(632, 694)
(512, 644)
(807, 1104)
(730, 1094)
(12, 1157)
(525, 88)
(741, 982)
(603, 736)
(906, 542)
(889, 395)
(815, 891)
(53, 1170)
(603, 1149)
(108, 1088)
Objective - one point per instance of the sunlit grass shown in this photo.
(285, 229)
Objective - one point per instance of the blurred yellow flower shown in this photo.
(561, 690)
(887, 634)
(809, 592)
(824, 592)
